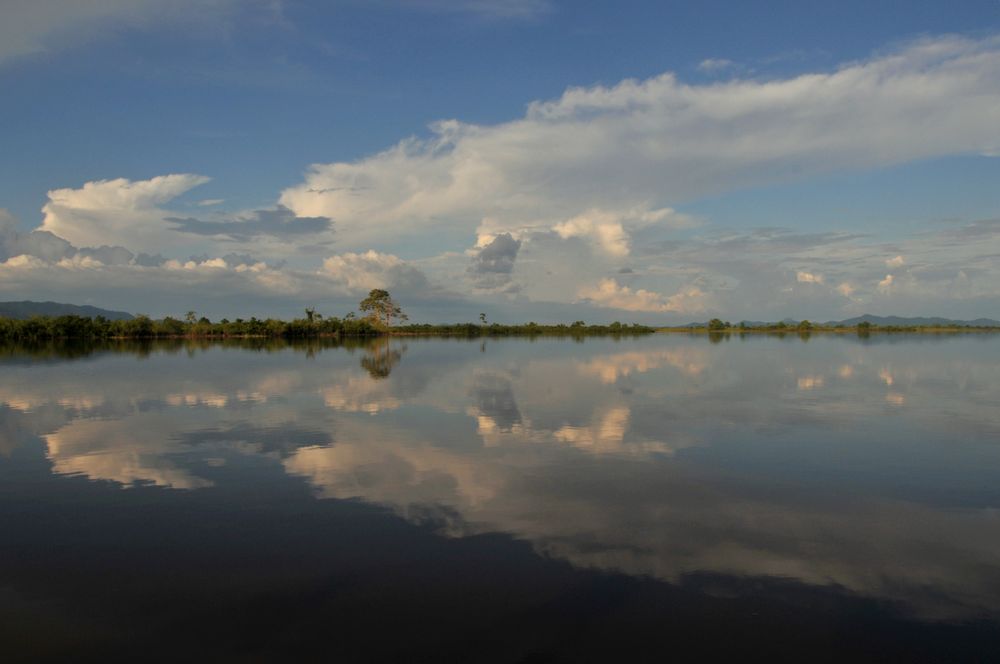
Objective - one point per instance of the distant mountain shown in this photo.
(27, 309)
(915, 320)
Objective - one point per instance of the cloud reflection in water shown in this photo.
(671, 457)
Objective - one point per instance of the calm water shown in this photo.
(510, 500)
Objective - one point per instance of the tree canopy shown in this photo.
(380, 306)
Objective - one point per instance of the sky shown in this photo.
(547, 160)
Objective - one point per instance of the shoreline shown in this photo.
(832, 330)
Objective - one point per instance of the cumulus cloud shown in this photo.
(846, 289)
(608, 293)
(39, 244)
(116, 212)
(808, 277)
(137, 214)
(107, 255)
(492, 267)
(359, 273)
(49, 248)
(729, 274)
(885, 285)
(145, 281)
(603, 228)
(582, 186)
(715, 65)
(660, 142)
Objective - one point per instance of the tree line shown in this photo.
(379, 309)
(718, 326)
(144, 327)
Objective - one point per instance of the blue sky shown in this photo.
(656, 161)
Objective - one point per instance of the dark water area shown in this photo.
(419, 500)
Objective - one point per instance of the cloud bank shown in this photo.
(633, 148)
(579, 203)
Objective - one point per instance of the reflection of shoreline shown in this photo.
(829, 331)
(70, 349)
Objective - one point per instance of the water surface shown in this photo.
(503, 500)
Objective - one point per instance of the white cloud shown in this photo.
(608, 293)
(715, 65)
(359, 273)
(603, 228)
(580, 187)
(609, 230)
(155, 289)
(845, 289)
(118, 211)
(660, 142)
(728, 274)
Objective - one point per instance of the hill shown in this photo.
(27, 309)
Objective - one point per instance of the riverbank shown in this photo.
(816, 329)
(143, 327)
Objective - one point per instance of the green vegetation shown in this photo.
(381, 310)
(804, 328)
(577, 329)
(143, 327)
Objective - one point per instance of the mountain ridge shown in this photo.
(24, 309)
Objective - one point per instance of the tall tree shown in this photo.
(380, 306)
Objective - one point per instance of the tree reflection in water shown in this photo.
(380, 357)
